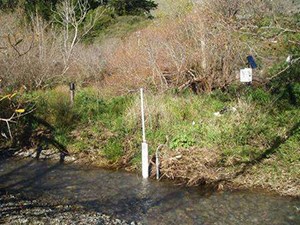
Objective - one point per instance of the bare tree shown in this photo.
(72, 16)
(39, 27)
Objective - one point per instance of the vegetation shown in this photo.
(133, 7)
(212, 129)
(45, 8)
(254, 143)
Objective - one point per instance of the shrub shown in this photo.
(132, 7)
(182, 141)
(286, 85)
(54, 107)
(113, 149)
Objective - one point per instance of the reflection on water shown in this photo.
(128, 196)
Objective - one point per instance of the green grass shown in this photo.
(113, 150)
(179, 121)
(116, 27)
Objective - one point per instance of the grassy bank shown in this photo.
(254, 142)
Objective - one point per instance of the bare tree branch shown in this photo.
(72, 17)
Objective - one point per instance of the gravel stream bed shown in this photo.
(15, 209)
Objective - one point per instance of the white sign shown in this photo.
(246, 75)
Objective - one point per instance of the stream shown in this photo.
(129, 197)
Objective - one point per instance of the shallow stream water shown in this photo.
(129, 197)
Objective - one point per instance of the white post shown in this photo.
(143, 115)
(145, 166)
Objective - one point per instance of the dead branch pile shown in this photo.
(192, 166)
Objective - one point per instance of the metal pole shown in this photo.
(143, 115)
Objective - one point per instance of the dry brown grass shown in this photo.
(196, 166)
(192, 166)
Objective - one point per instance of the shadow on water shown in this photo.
(107, 193)
(25, 183)
(5, 176)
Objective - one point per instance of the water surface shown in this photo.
(128, 196)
